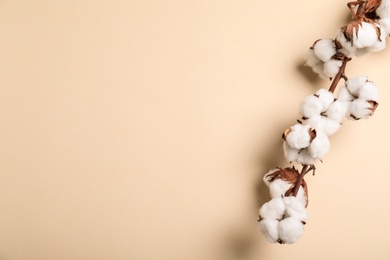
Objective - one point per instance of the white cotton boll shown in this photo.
(366, 36)
(290, 230)
(305, 158)
(319, 69)
(326, 97)
(294, 208)
(332, 67)
(299, 136)
(344, 94)
(278, 188)
(355, 83)
(360, 109)
(310, 106)
(385, 24)
(291, 154)
(347, 48)
(273, 209)
(324, 49)
(380, 44)
(369, 91)
(270, 229)
(311, 59)
(383, 11)
(323, 123)
(338, 110)
(320, 145)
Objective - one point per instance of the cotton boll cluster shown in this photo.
(282, 219)
(322, 58)
(281, 182)
(307, 141)
(359, 37)
(362, 97)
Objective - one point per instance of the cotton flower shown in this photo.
(311, 58)
(385, 25)
(323, 123)
(365, 97)
(354, 84)
(366, 36)
(291, 154)
(282, 219)
(274, 209)
(270, 229)
(298, 136)
(338, 110)
(344, 94)
(383, 11)
(380, 43)
(324, 49)
(359, 37)
(369, 91)
(294, 208)
(280, 181)
(310, 106)
(319, 147)
(362, 109)
(331, 67)
(305, 158)
(290, 230)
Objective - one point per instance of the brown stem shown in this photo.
(351, 5)
(360, 10)
(339, 74)
(305, 169)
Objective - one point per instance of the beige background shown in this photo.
(142, 129)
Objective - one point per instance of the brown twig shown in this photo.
(305, 169)
(339, 74)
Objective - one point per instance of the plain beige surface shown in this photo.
(142, 129)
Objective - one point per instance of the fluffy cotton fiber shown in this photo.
(324, 49)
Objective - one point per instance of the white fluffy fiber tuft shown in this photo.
(299, 136)
(324, 49)
(344, 95)
(304, 157)
(278, 188)
(385, 25)
(270, 229)
(366, 37)
(311, 59)
(323, 123)
(331, 67)
(319, 69)
(290, 230)
(383, 11)
(273, 209)
(320, 145)
(355, 83)
(347, 48)
(291, 154)
(380, 44)
(294, 208)
(326, 97)
(369, 91)
(338, 110)
(360, 109)
(310, 106)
